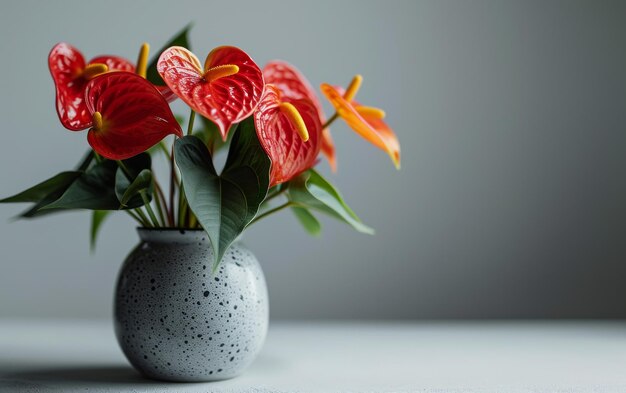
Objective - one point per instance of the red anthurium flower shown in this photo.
(294, 85)
(129, 115)
(70, 74)
(226, 90)
(289, 131)
(167, 93)
(366, 121)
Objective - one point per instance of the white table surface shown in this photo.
(83, 356)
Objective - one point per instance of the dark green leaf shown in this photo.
(95, 188)
(246, 157)
(97, 218)
(129, 193)
(308, 220)
(312, 191)
(224, 204)
(179, 39)
(138, 163)
(50, 190)
(84, 164)
(123, 181)
(92, 186)
(37, 211)
(42, 190)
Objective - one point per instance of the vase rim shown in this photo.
(172, 235)
(164, 229)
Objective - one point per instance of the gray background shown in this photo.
(512, 120)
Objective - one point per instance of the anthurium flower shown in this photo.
(226, 90)
(128, 115)
(290, 133)
(71, 73)
(294, 85)
(366, 121)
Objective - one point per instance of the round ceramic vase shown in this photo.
(177, 320)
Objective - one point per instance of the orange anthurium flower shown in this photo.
(226, 90)
(366, 121)
(70, 74)
(128, 115)
(294, 85)
(289, 131)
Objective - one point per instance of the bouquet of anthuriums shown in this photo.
(269, 119)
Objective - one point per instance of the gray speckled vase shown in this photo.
(176, 321)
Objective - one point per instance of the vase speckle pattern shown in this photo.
(176, 320)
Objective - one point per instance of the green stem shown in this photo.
(192, 117)
(193, 221)
(173, 184)
(144, 220)
(184, 218)
(330, 121)
(163, 205)
(275, 194)
(159, 208)
(148, 207)
(164, 148)
(126, 171)
(182, 206)
(274, 210)
(135, 216)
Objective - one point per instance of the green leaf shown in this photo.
(312, 191)
(246, 158)
(36, 210)
(92, 186)
(84, 164)
(308, 220)
(127, 191)
(179, 39)
(50, 190)
(97, 218)
(224, 204)
(44, 189)
(95, 189)
(136, 178)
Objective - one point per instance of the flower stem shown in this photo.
(193, 221)
(164, 149)
(274, 210)
(135, 216)
(192, 117)
(146, 202)
(126, 171)
(182, 207)
(275, 194)
(159, 204)
(144, 220)
(163, 205)
(173, 184)
(330, 121)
